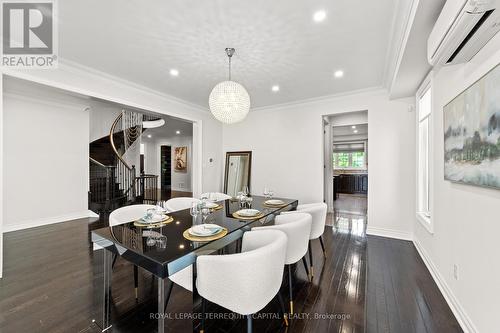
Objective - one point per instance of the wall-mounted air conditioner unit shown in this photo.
(462, 29)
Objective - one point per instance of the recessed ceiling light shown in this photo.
(177, 132)
(150, 136)
(174, 72)
(319, 16)
(353, 126)
(355, 131)
(275, 88)
(338, 74)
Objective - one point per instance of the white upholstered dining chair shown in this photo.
(176, 204)
(245, 282)
(125, 215)
(297, 228)
(128, 214)
(250, 281)
(318, 212)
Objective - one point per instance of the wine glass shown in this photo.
(150, 241)
(246, 191)
(159, 209)
(194, 210)
(266, 192)
(270, 193)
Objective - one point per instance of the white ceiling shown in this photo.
(276, 42)
(169, 129)
(362, 129)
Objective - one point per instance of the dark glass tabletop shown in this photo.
(170, 251)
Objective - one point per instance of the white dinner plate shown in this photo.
(248, 212)
(204, 230)
(275, 202)
(210, 204)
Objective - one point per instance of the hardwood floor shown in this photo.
(402, 297)
(351, 204)
(365, 284)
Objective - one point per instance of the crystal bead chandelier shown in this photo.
(229, 101)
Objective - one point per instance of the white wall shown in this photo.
(181, 181)
(45, 165)
(287, 147)
(466, 220)
(101, 120)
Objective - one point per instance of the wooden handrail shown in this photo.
(112, 140)
(96, 162)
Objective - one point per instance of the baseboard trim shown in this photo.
(388, 233)
(49, 220)
(457, 309)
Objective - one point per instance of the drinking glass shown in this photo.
(194, 210)
(159, 209)
(150, 241)
(205, 211)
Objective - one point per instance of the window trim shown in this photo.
(425, 219)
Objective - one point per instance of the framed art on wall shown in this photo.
(472, 134)
(180, 159)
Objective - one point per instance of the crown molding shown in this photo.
(46, 101)
(72, 66)
(372, 91)
(395, 54)
(82, 70)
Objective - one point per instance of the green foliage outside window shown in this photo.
(344, 160)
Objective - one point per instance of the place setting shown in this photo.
(154, 218)
(204, 232)
(270, 202)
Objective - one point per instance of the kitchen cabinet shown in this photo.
(350, 184)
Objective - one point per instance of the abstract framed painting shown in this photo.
(472, 134)
(180, 159)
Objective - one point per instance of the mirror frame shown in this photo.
(238, 153)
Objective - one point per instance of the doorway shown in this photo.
(346, 162)
(166, 171)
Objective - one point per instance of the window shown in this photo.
(349, 155)
(358, 159)
(424, 112)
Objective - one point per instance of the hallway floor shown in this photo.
(351, 204)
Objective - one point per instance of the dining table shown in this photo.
(164, 249)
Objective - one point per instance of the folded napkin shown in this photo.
(205, 229)
(155, 218)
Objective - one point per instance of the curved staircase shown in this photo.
(114, 182)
